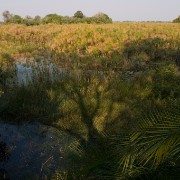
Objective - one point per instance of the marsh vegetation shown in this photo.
(114, 89)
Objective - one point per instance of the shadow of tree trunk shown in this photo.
(87, 115)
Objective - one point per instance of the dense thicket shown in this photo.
(78, 17)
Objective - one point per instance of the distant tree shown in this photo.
(177, 20)
(11, 18)
(78, 17)
(79, 14)
(16, 19)
(67, 19)
(102, 18)
(6, 15)
(29, 21)
(88, 20)
(37, 20)
(53, 18)
(28, 17)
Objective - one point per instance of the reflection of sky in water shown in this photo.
(26, 72)
(30, 146)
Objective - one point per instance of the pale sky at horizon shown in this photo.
(118, 10)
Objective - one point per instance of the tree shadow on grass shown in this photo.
(153, 50)
(91, 106)
(35, 102)
(41, 101)
(161, 58)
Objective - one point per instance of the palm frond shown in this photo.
(155, 141)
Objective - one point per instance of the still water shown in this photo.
(27, 70)
(31, 151)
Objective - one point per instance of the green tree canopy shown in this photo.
(78, 17)
(177, 20)
(79, 14)
(29, 21)
(6, 15)
(102, 18)
(37, 19)
(15, 19)
(53, 18)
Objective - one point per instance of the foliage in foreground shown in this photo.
(113, 141)
(153, 146)
(151, 149)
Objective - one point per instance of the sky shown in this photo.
(118, 10)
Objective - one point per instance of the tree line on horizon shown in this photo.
(177, 20)
(79, 17)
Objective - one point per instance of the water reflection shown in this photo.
(31, 150)
(28, 69)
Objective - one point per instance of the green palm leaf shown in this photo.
(153, 142)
